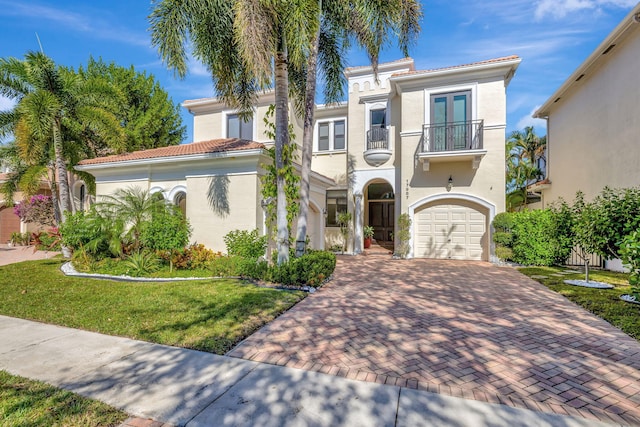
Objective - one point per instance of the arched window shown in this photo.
(180, 200)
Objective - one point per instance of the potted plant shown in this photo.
(368, 234)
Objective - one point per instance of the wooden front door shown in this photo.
(381, 218)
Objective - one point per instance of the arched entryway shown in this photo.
(380, 211)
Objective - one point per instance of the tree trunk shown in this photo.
(282, 141)
(307, 146)
(61, 172)
(586, 270)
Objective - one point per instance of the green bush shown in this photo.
(91, 232)
(504, 253)
(234, 265)
(166, 230)
(630, 255)
(311, 269)
(246, 244)
(403, 235)
(503, 238)
(503, 222)
(535, 238)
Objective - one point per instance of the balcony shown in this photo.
(452, 142)
(378, 146)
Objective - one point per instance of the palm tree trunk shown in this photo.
(282, 141)
(307, 146)
(61, 172)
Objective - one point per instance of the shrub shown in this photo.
(38, 209)
(166, 230)
(141, 263)
(47, 240)
(504, 253)
(247, 244)
(344, 221)
(312, 269)
(503, 239)
(535, 238)
(403, 235)
(503, 222)
(630, 255)
(94, 233)
(234, 265)
(196, 256)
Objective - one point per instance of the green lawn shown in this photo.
(208, 315)
(31, 403)
(604, 303)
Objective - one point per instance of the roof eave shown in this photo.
(506, 64)
(628, 22)
(170, 159)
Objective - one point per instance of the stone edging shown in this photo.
(68, 270)
(589, 284)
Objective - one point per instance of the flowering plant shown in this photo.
(38, 208)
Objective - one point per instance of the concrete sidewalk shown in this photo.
(192, 388)
(11, 255)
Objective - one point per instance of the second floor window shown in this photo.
(238, 128)
(332, 135)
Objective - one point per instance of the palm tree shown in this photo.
(247, 46)
(54, 110)
(524, 151)
(369, 23)
(131, 207)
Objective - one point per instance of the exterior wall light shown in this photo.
(450, 183)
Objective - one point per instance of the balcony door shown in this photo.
(450, 121)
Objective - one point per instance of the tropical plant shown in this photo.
(370, 24)
(53, 110)
(368, 231)
(344, 221)
(525, 151)
(166, 231)
(38, 209)
(133, 207)
(141, 263)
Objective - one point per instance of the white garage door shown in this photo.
(450, 231)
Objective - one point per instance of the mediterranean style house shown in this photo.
(428, 143)
(593, 120)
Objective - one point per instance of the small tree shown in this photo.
(344, 221)
(584, 239)
(403, 235)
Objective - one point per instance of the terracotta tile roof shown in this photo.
(488, 61)
(380, 64)
(204, 147)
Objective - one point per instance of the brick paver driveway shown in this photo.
(465, 329)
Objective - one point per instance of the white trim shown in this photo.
(211, 175)
(157, 189)
(411, 133)
(444, 196)
(172, 159)
(473, 87)
(331, 121)
(363, 176)
(321, 222)
(174, 192)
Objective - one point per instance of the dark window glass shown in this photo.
(323, 137)
(336, 204)
(237, 128)
(339, 135)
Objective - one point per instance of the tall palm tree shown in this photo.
(247, 46)
(370, 24)
(54, 109)
(524, 150)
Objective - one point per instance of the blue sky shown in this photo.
(551, 36)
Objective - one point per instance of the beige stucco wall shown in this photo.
(237, 200)
(487, 182)
(593, 129)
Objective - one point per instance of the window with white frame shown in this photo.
(332, 135)
(336, 204)
(238, 128)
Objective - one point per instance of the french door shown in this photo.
(450, 121)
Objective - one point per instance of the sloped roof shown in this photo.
(204, 147)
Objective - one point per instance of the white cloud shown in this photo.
(559, 9)
(98, 27)
(529, 120)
